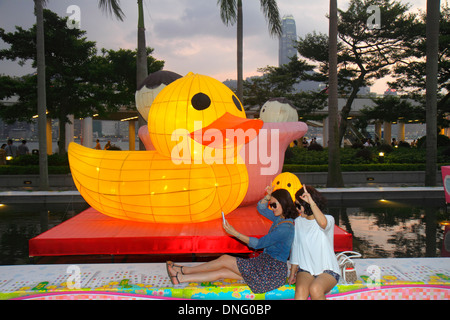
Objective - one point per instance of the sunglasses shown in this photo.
(273, 205)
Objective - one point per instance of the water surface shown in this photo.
(380, 229)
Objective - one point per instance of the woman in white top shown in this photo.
(315, 269)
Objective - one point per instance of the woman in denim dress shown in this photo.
(263, 273)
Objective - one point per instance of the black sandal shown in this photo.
(176, 277)
(176, 265)
(171, 276)
(181, 268)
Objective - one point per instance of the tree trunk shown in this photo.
(62, 136)
(432, 33)
(240, 53)
(334, 178)
(141, 63)
(42, 100)
(345, 112)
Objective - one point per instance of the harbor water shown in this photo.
(380, 229)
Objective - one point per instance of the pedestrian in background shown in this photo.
(3, 154)
(98, 146)
(11, 150)
(23, 149)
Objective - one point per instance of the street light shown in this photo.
(381, 157)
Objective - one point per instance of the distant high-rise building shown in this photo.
(286, 48)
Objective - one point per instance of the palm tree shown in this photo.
(141, 61)
(113, 7)
(42, 100)
(142, 71)
(231, 12)
(334, 178)
(110, 5)
(432, 34)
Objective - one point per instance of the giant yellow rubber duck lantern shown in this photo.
(195, 171)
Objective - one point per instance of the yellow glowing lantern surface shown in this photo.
(288, 181)
(172, 184)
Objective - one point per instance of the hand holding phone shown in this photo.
(223, 218)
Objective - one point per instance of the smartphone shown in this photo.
(223, 217)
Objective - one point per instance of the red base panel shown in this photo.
(93, 233)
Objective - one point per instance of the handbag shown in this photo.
(347, 266)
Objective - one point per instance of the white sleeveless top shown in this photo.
(313, 247)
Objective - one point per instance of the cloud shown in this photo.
(195, 19)
(187, 34)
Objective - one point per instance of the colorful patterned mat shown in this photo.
(393, 279)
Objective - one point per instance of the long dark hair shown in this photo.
(284, 198)
(318, 198)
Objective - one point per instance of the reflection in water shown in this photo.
(385, 229)
(20, 223)
(380, 229)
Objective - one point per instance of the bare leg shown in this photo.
(223, 273)
(220, 268)
(321, 285)
(224, 261)
(304, 280)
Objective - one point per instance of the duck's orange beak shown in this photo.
(227, 131)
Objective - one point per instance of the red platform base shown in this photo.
(93, 233)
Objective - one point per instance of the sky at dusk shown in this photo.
(187, 34)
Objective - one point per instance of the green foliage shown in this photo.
(391, 108)
(33, 159)
(358, 167)
(386, 148)
(393, 157)
(404, 144)
(32, 169)
(67, 55)
(117, 70)
(364, 53)
(410, 76)
(79, 81)
(26, 160)
(29, 164)
(315, 147)
(406, 156)
(279, 82)
(442, 141)
(296, 160)
(365, 153)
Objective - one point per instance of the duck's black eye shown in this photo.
(200, 101)
(237, 103)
